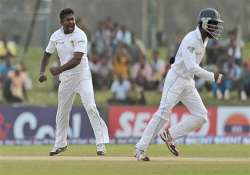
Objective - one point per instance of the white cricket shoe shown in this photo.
(166, 137)
(140, 155)
(56, 151)
(101, 149)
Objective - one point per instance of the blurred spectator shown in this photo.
(124, 35)
(142, 73)
(81, 25)
(120, 88)
(5, 68)
(135, 49)
(136, 95)
(232, 74)
(215, 52)
(157, 65)
(161, 38)
(178, 39)
(7, 49)
(245, 81)
(16, 85)
(104, 72)
(94, 65)
(235, 46)
(108, 24)
(164, 72)
(99, 43)
(114, 40)
(120, 62)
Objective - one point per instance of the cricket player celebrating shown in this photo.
(70, 42)
(180, 86)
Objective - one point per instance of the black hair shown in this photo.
(65, 12)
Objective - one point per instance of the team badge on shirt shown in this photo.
(81, 41)
(191, 49)
(72, 43)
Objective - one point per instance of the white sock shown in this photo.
(186, 126)
(152, 129)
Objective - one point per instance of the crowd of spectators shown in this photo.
(226, 56)
(119, 61)
(120, 64)
(14, 80)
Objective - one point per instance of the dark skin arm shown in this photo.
(69, 65)
(44, 63)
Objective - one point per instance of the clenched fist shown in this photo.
(42, 78)
(218, 78)
(55, 70)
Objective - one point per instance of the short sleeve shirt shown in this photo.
(66, 45)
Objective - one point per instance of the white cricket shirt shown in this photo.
(66, 45)
(189, 56)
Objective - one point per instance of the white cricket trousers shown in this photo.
(68, 87)
(175, 89)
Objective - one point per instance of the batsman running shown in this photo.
(180, 86)
(70, 42)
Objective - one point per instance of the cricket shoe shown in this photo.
(166, 137)
(140, 155)
(100, 149)
(56, 151)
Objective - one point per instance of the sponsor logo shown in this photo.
(4, 127)
(34, 125)
(233, 121)
(125, 122)
(27, 123)
(237, 124)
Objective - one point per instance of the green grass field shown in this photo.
(81, 159)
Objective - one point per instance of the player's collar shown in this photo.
(198, 34)
(68, 33)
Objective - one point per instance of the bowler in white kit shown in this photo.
(180, 86)
(70, 42)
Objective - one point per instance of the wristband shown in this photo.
(42, 73)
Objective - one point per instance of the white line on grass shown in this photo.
(123, 158)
